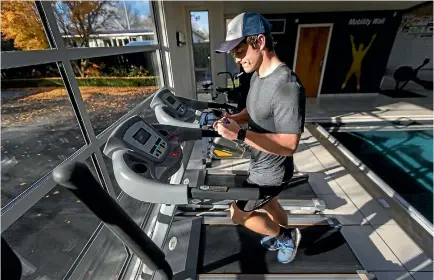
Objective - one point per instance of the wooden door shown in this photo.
(311, 51)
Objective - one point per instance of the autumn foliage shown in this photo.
(20, 21)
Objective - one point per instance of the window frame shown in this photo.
(62, 56)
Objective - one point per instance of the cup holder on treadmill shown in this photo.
(139, 168)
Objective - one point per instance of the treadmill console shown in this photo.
(170, 100)
(145, 157)
(147, 140)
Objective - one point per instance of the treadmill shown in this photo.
(149, 164)
(177, 111)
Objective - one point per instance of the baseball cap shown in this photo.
(243, 25)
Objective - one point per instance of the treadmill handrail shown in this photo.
(165, 118)
(143, 189)
(78, 179)
(223, 192)
(234, 193)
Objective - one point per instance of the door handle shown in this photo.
(320, 65)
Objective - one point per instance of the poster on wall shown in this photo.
(358, 54)
(417, 26)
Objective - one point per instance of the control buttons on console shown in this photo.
(153, 149)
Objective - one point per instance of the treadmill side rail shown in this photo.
(165, 118)
(224, 192)
(135, 186)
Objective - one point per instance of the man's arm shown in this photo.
(241, 118)
(279, 144)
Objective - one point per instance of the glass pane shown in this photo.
(38, 126)
(113, 85)
(105, 257)
(105, 23)
(21, 27)
(51, 234)
(201, 50)
(110, 255)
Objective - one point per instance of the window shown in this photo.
(108, 255)
(201, 50)
(113, 85)
(278, 26)
(39, 128)
(21, 27)
(108, 18)
(50, 235)
(53, 232)
(107, 43)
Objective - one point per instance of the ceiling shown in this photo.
(236, 7)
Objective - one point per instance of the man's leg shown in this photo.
(287, 240)
(255, 221)
(276, 212)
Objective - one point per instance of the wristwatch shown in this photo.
(242, 134)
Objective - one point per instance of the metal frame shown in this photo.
(62, 56)
(330, 25)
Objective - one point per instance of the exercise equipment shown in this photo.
(233, 95)
(144, 158)
(178, 111)
(406, 74)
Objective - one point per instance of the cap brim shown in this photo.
(227, 46)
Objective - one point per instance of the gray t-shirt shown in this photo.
(276, 104)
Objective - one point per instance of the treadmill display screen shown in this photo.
(142, 136)
(171, 100)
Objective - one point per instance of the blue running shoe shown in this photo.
(288, 249)
(270, 243)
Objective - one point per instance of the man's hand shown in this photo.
(228, 130)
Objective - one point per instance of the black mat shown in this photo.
(235, 249)
(401, 94)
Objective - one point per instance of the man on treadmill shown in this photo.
(275, 114)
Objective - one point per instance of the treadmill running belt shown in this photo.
(301, 191)
(236, 249)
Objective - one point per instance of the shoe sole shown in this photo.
(297, 242)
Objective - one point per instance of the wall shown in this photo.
(176, 14)
(181, 58)
(175, 20)
(362, 25)
(412, 45)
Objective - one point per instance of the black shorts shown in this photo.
(269, 192)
